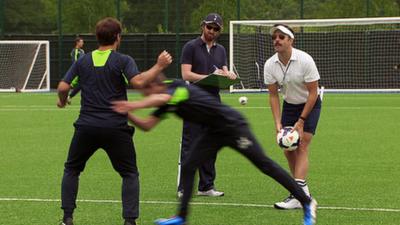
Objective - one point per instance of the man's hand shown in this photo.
(61, 104)
(226, 73)
(231, 75)
(278, 128)
(164, 59)
(299, 127)
(123, 107)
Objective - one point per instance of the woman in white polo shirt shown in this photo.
(293, 72)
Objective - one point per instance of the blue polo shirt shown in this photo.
(195, 52)
(194, 104)
(103, 77)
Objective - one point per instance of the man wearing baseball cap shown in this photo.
(200, 57)
(293, 72)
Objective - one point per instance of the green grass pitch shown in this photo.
(354, 170)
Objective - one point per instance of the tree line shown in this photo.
(170, 16)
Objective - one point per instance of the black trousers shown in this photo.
(206, 147)
(190, 132)
(206, 170)
(118, 144)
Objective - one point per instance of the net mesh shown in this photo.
(348, 56)
(23, 66)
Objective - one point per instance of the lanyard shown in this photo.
(284, 71)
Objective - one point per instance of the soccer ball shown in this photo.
(288, 140)
(243, 100)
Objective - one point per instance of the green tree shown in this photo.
(29, 17)
(81, 16)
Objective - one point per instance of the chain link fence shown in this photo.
(154, 25)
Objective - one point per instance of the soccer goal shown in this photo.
(24, 66)
(352, 55)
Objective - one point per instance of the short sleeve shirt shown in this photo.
(203, 61)
(103, 77)
(291, 78)
(76, 53)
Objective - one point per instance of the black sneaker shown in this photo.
(67, 221)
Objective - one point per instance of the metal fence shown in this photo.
(153, 25)
(144, 48)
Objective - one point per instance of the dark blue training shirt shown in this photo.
(195, 52)
(103, 77)
(193, 104)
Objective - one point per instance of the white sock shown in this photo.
(303, 185)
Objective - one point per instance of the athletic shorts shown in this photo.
(292, 112)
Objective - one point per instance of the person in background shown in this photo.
(76, 53)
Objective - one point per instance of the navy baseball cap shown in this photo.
(213, 18)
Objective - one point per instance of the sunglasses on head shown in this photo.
(216, 29)
(280, 36)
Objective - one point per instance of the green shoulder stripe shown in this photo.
(100, 57)
(181, 94)
(75, 82)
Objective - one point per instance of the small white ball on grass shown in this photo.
(243, 100)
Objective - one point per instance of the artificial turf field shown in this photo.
(354, 170)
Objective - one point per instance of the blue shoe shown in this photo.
(310, 212)
(176, 220)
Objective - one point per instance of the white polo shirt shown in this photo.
(291, 78)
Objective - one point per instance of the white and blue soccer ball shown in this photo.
(243, 100)
(288, 140)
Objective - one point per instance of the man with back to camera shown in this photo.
(295, 73)
(103, 76)
(201, 57)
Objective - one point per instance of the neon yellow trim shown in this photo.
(100, 57)
(76, 54)
(168, 81)
(75, 82)
(181, 94)
(125, 79)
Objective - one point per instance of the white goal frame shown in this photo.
(305, 23)
(45, 77)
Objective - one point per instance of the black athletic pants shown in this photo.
(190, 132)
(118, 144)
(207, 145)
(207, 173)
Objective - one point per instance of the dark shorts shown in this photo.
(292, 112)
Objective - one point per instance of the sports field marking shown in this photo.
(199, 203)
(74, 108)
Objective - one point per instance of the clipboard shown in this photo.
(217, 81)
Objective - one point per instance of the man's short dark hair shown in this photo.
(78, 39)
(107, 31)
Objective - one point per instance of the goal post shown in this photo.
(24, 66)
(352, 55)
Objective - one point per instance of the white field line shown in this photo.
(74, 108)
(199, 203)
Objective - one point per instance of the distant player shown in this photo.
(104, 75)
(293, 72)
(224, 126)
(76, 53)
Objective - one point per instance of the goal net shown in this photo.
(24, 66)
(352, 55)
